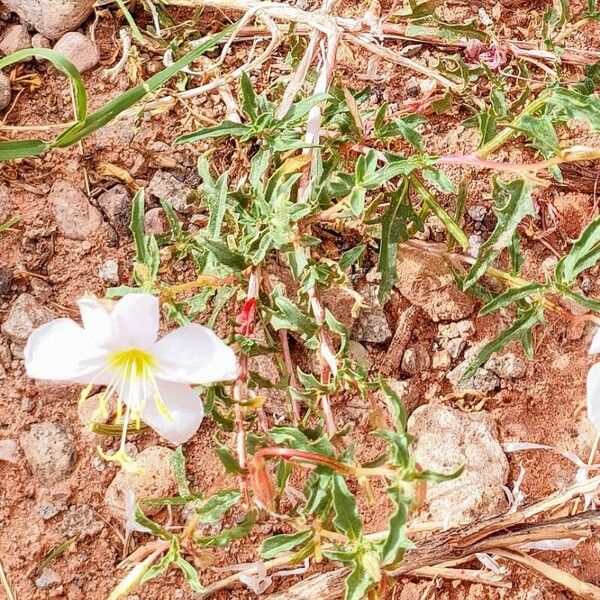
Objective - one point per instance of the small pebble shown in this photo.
(477, 212)
(5, 91)
(14, 39)
(78, 49)
(109, 272)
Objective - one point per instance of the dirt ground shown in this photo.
(546, 406)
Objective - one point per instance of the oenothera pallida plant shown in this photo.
(118, 347)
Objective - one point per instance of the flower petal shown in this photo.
(595, 345)
(593, 395)
(194, 354)
(135, 319)
(96, 320)
(62, 351)
(185, 409)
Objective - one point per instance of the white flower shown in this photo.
(593, 385)
(118, 348)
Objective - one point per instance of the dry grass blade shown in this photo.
(10, 594)
(580, 588)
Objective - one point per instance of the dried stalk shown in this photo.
(581, 589)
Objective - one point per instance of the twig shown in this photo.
(581, 589)
(10, 595)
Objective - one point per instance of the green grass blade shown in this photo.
(63, 65)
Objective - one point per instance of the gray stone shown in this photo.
(116, 204)
(482, 381)
(6, 279)
(477, 212)
(155, 222)
(456, 346)
(475, 243)
(26, 314)
(52, 17)
(49, 449)
(48, 510)
(40, 41)
(76, 218)
(14, 39)
(154, 479)
(9, 451)
(5, 96)
(372, 325)
(48, 579)
(426, 281)
(164, 186)
(109, 272)
(415, 359)
(78, 49)
(507, 366)
(447, 439)
(82, 522)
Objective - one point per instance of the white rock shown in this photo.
(15, 38)
(5, 92)
(448, 439)
(52, 17)
(78, 49)
(109, 272)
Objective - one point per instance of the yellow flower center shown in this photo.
(132, 363)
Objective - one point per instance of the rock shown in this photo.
(5, 354)
(5, 96)
(454, 330)
(153, 480)
(6, 279)
(477, 212)
(15, 38)
(426, 281)
(441, 360)
(76, 218)
(456, 346)
(116, 204)
(26, 314)
(416, 359)
(48, 579)
(40, 41)
(9, 452)
(507, 366)
(82, 522)
(50, 451)
(482, 381)
(89, 410)
(448, 439)
(155, 222)
(52, 18)
(164, 186)
(109, 272)
(372, 325)
(78, 49)
(48, 510)
(475, 243)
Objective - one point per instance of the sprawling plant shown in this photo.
(312, 165)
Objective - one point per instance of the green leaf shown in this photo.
(512, 202)
(583, 255)
(190, 574)
(540, 131)
(212, 509)
(295, 319)
(224, 129)
(221, 251)
(511, 296)
(589, 303)
(394, 229)
(346, 517)
(576, 105)
(277, 544)
(232, 466)
(249, 102)
(524, 323)
(398, 443)
(358, 582)
(136, 225)
(394, 403)
(155, 528)
(225, 537)
(351, 256)
(451, 226)
(396, 543)
(179, 471)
